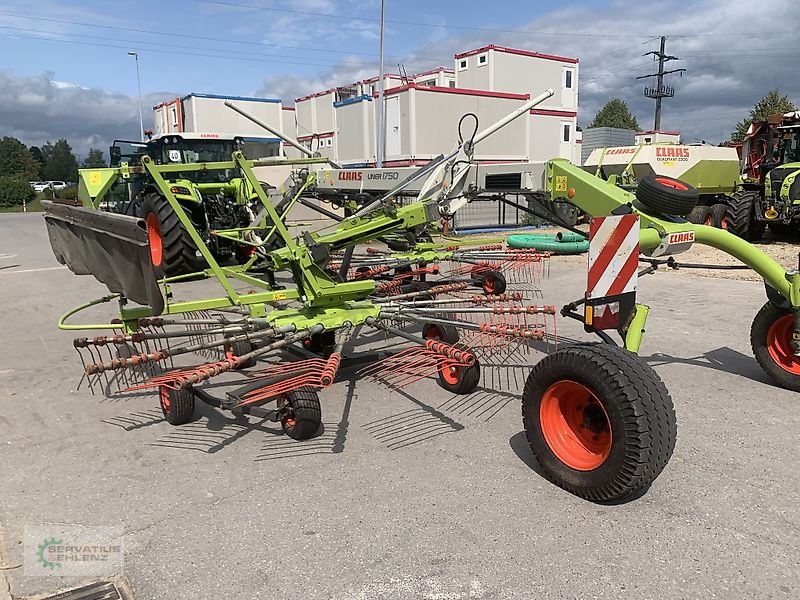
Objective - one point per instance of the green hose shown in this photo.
(568, 243)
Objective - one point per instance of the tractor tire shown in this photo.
(599, 421)
(303, 413)
(177, 405)
(770, 338)
(172, 249)
(493, 283)
(441, 332)
(741, 215)
(241, 348)
(700, 215)
(666, 195)
(719, 216)
(458, 379)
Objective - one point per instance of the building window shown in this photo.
(462, 64)
(452, 84)
(568, 79)
(567, 131)
(428, 82)
(483, 59)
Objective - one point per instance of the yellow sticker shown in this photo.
(561, 183)
(94, 178)
(279, 296)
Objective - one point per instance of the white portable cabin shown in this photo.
(289, 129)
(168, 117)
(355, 137)
(439, 77)
(498, 68)
(422, 122)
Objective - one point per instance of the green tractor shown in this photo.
(212, 199)
(770, 193)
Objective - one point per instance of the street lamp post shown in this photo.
(379, 152)
(135, 55)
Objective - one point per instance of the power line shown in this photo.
(138, 43)
(172, 34)
(559, 33)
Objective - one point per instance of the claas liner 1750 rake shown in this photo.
(598, 419)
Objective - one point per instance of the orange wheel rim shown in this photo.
(163, 398)
(489, 285)
(433, 333)
(156, 243)
(708, 220)
(575, 425)
(450, 373)
(779, 344)
(723, 223)
(671, 183)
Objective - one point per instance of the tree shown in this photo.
(38, 156)
(61, 163)
(94, 160)
(615, 113)
(16, 161)
(771, 104)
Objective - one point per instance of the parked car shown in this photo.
(57, 185)
(38, 186)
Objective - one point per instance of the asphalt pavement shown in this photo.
(405, 494)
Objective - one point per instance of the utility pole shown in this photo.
(661, 90)
(381, 117)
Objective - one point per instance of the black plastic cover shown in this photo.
(112, 248)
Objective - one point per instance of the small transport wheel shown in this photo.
(241, 348)
(666, 195)
(441, 332)
(302, 413)
(599, 421)
(700, 215)
(719, 216)
(177, 405)
(771, 339)
(493, 283)
(458, 379)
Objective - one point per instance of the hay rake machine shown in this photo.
(598, 419)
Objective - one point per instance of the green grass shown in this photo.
(33, 206)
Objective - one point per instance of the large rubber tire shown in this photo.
(303, 415)
(741, 215)
(441, 332)
(719, 216)
(177, 405)
(700, 215)
(770, 338)
(459, 380)
(666, 195)
(599, 421)
(178, 250)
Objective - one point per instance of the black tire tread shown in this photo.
(741, 207)
(665, 200)
(181, 406)
(180, 251)
(698, 214)
(758, 342)
(307, 414)
(471, 377)
(649, 417)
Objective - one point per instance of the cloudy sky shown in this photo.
(65, 72)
